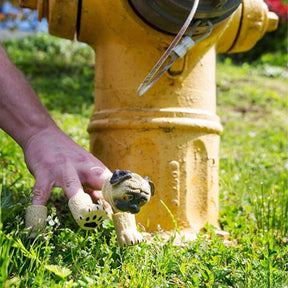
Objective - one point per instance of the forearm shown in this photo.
(21, 113)
(53, 158)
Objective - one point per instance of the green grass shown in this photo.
(252, 103)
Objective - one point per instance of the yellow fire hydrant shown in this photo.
(170, 134)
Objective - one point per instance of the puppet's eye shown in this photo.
(125, 197)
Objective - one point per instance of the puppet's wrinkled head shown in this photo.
(127, 192)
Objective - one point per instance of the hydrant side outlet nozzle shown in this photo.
(247, 26)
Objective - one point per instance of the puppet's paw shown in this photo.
(126, 229)
(87, 214)
(129, 237)
(91, 218)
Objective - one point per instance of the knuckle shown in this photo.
(38, 193)
(70, 181)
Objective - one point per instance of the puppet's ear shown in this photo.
(152, 186)
(119, 176)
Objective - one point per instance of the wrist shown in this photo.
(41, 132)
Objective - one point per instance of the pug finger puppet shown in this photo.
(127, 192)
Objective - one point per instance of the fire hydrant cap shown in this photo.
(169, 15)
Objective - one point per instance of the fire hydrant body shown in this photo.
(172, 133)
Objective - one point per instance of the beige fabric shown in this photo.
(35, 219)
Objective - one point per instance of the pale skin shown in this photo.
(53, 158)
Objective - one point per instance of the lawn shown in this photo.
(252, 103)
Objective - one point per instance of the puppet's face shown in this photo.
(130, 191)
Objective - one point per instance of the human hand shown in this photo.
(56, 160)
(51, 156)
